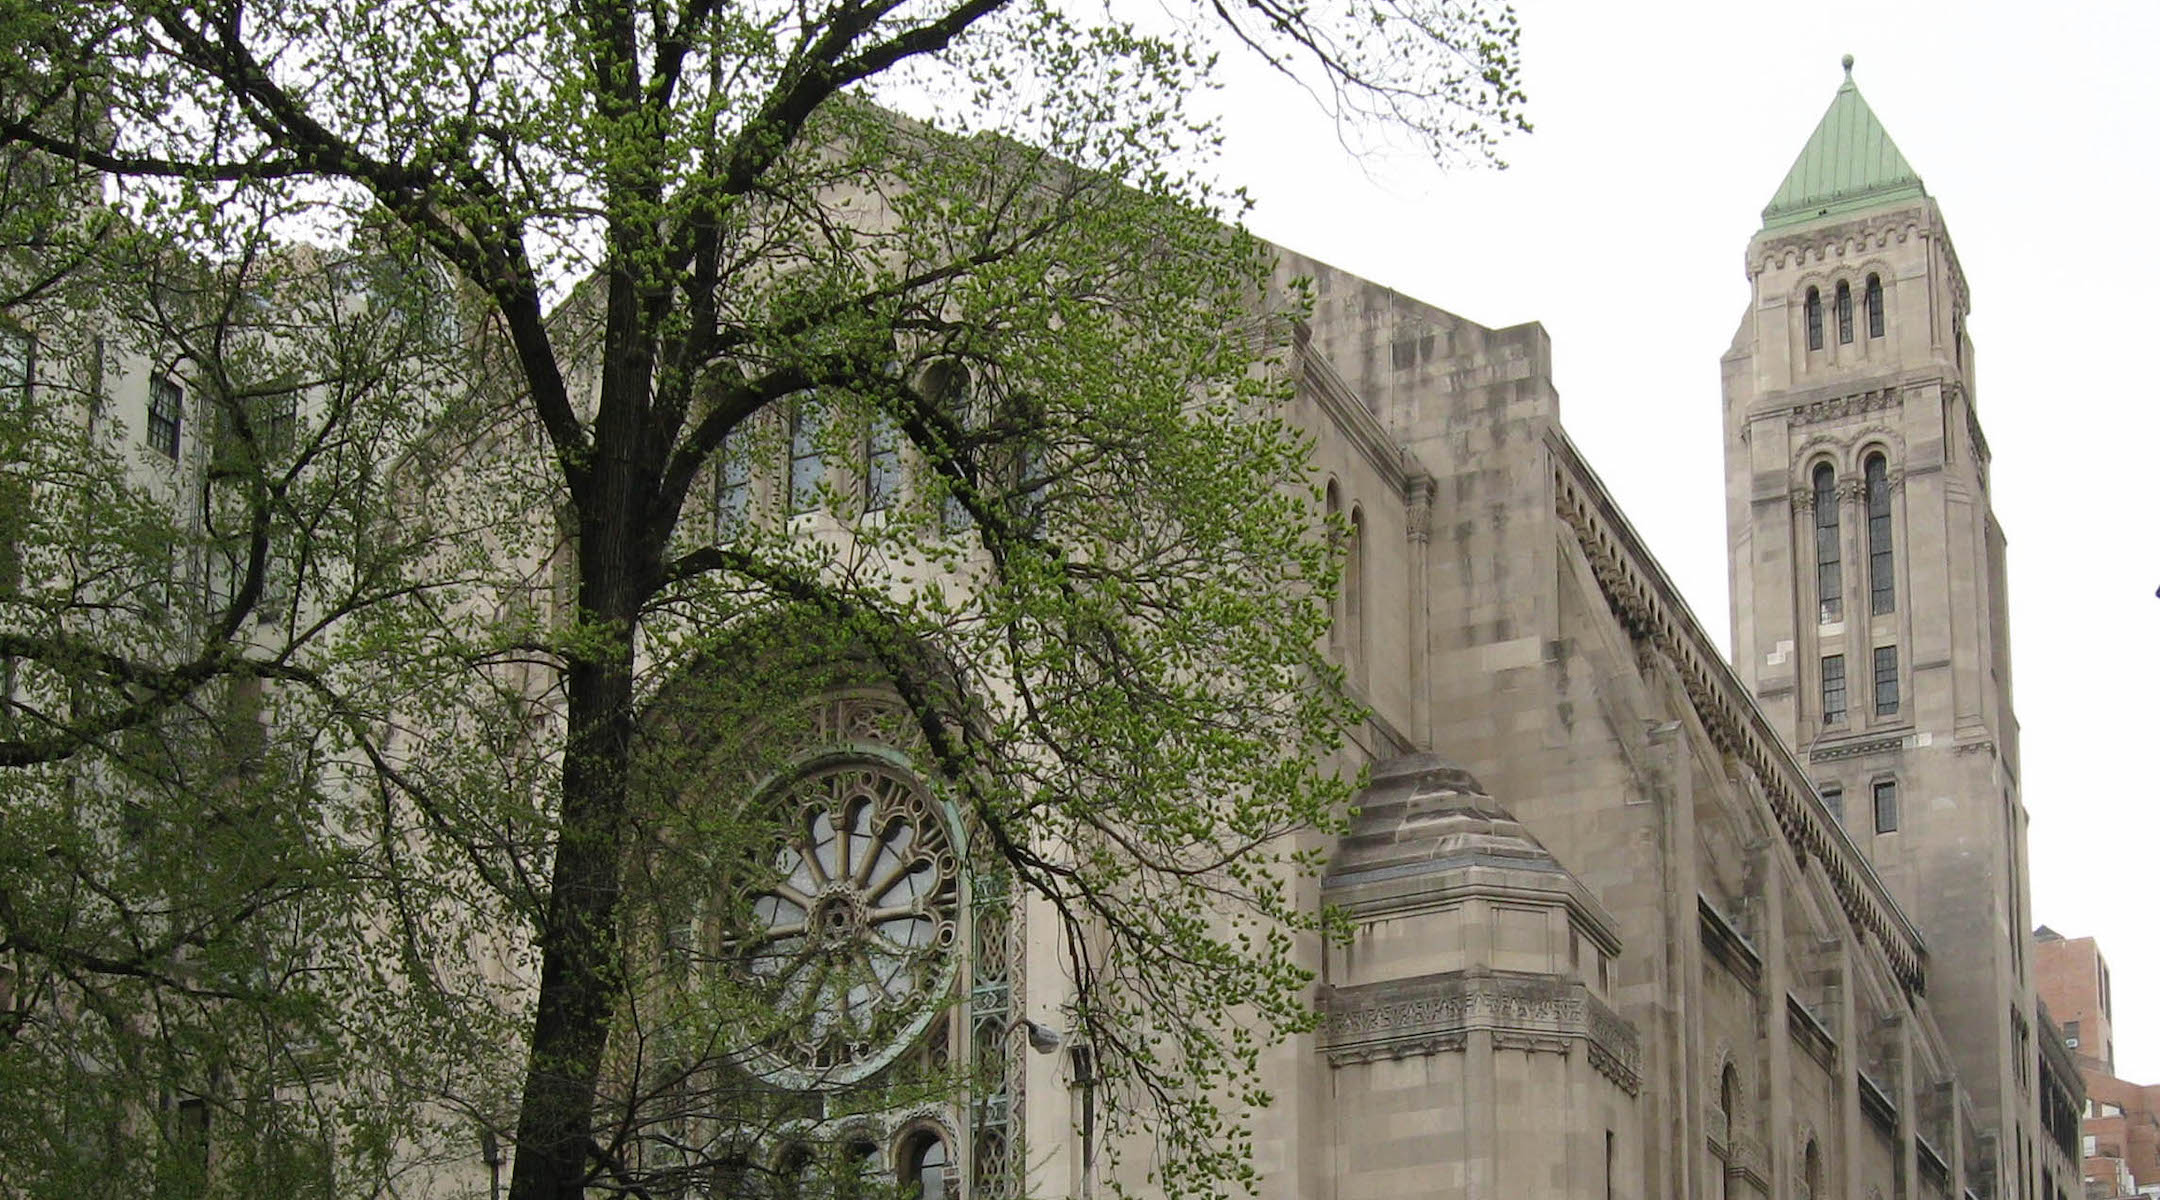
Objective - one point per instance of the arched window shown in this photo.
(1728, 1104)
(1882, 588)
(923, 1162)
(1844, 313)
(858, 1170)
(1332, 511)
(1874, 306)
(1814, 319)
(1811, 1172)
(1829, 578)
(1354, 595)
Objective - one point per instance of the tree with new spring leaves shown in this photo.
(565, 569)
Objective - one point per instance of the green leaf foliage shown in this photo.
(456, 458)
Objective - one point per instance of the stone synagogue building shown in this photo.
(1633, 921)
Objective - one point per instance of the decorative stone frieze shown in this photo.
(1838, 408)
(1435, 1014)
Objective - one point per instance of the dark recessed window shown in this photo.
(1833, 798)
(1833, 689)
(163, 432)
(922, 1167)
(1814, 319)
(1844, 313)
(1886, 683)
(1874, 306)
(1829, 580)
(1886, 806)
(1882, 586)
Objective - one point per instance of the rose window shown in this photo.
(852, 929)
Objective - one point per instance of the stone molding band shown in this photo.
(1435, 1014)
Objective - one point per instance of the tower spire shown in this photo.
(1848, 163)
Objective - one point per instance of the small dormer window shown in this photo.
(1814, 319)
(1844, 314)
(1874, 306)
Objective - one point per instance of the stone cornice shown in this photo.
(1435, 1014)
(1875, 1102)
(1646, 601)
(1315, 377)
(1810, 1033)
(1844, 750)
(1727, 945)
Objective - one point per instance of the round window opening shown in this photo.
(852, 924)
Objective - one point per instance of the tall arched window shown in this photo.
(1829, 579)
(923, 1164)
(1882, 588)
(1332, 510)
(1814, 319)
(1811, 1172)
(1874, 306)
(1354, 596)
(1728, 1104)
(1844, 313)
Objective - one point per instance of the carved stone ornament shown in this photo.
(853, 925)
(1434, 1014)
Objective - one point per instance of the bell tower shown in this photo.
(1868, 602)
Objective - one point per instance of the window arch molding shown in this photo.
(1729, 1101)
(922, 1148)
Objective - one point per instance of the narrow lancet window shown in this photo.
(1814, 319)
(1874, 306)
(1844, 313)
(1829, 579)
(1882, 585)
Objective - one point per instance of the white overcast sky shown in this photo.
(1662, 130)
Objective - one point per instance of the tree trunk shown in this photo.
(580, 975)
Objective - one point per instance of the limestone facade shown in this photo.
(1626, 919)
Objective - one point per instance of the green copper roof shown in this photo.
(1849, 163)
